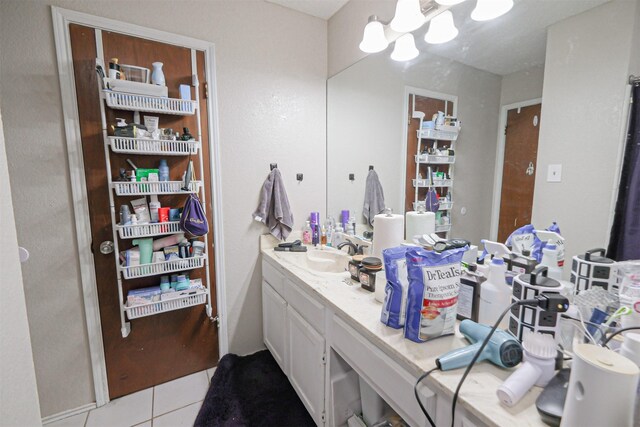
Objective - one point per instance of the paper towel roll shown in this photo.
(419, 223)
(388, 232)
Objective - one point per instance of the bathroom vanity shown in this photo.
(325, 333)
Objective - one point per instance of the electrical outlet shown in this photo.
(554, 173)
(547, 319)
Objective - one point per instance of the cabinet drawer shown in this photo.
(392, 382)
(311, 310)
(272, 276)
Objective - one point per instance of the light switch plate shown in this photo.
(554, 173)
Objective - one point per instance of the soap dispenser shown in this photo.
(306, 233)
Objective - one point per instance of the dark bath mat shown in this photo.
(251, 391)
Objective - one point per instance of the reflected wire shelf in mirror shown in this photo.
(435, 159)
(443, 206)
(441, 135)
(142, 310)
(149, 104)
(153, 146)
(424, 183)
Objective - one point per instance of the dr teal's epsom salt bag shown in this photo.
(394, 308)
(434, 281)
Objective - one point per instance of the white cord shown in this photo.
(586, 331)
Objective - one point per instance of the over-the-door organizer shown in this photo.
(448, 134)
(119, 100)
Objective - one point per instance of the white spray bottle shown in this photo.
(495, 295)
(550, 260)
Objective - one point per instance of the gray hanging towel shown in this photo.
(373, 197)
(273, 209)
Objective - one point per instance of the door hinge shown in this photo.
(324, 359)
(505, 130)
(206, 90)
(216, 320)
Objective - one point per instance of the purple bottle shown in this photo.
(344, 219)
(314, 221)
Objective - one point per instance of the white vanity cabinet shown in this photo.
(274, 324)
(297, 346)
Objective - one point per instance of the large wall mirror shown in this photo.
(554, 74)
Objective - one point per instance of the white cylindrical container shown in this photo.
(419, 223)
(381, 285)
(495, 295)
(602, 388)
(388, 232)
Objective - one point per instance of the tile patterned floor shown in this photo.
(172, 404)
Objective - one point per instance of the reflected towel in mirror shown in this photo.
(373, 197)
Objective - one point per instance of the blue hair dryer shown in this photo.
(503, 349)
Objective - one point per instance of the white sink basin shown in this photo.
(327, 260)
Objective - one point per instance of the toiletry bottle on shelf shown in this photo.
(186, 136)
(323, 236)
(163, 170)
(154, 205)
(125, 215)
(316, 234)
(306, 234)
(495, 294)
(550, 260)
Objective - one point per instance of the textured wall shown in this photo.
(19, 402)
(271, 69)
(585, 77)
(522, 86)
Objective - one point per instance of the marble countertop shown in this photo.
(361, 311)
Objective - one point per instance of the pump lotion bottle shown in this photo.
(495, 295)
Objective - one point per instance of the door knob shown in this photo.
(106, 247)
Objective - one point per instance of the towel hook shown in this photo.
(272, 166)
(352, 177)
(299, 177)
(370, 167)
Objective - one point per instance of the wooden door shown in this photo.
(165, 346)
(429, 106)
(518, 173)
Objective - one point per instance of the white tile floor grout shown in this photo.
(164, 402)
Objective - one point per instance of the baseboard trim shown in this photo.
(68, 413)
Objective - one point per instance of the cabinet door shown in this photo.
(274, 324)
(306, 364)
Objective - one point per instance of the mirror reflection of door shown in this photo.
(519, 168)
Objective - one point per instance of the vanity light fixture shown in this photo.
(408, 16)
(441, 29)
(405, 48)
(413, 14)
(490, 9)
(373, 40)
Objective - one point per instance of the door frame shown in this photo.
(497, 176)
(408, 91)
(61, 20)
